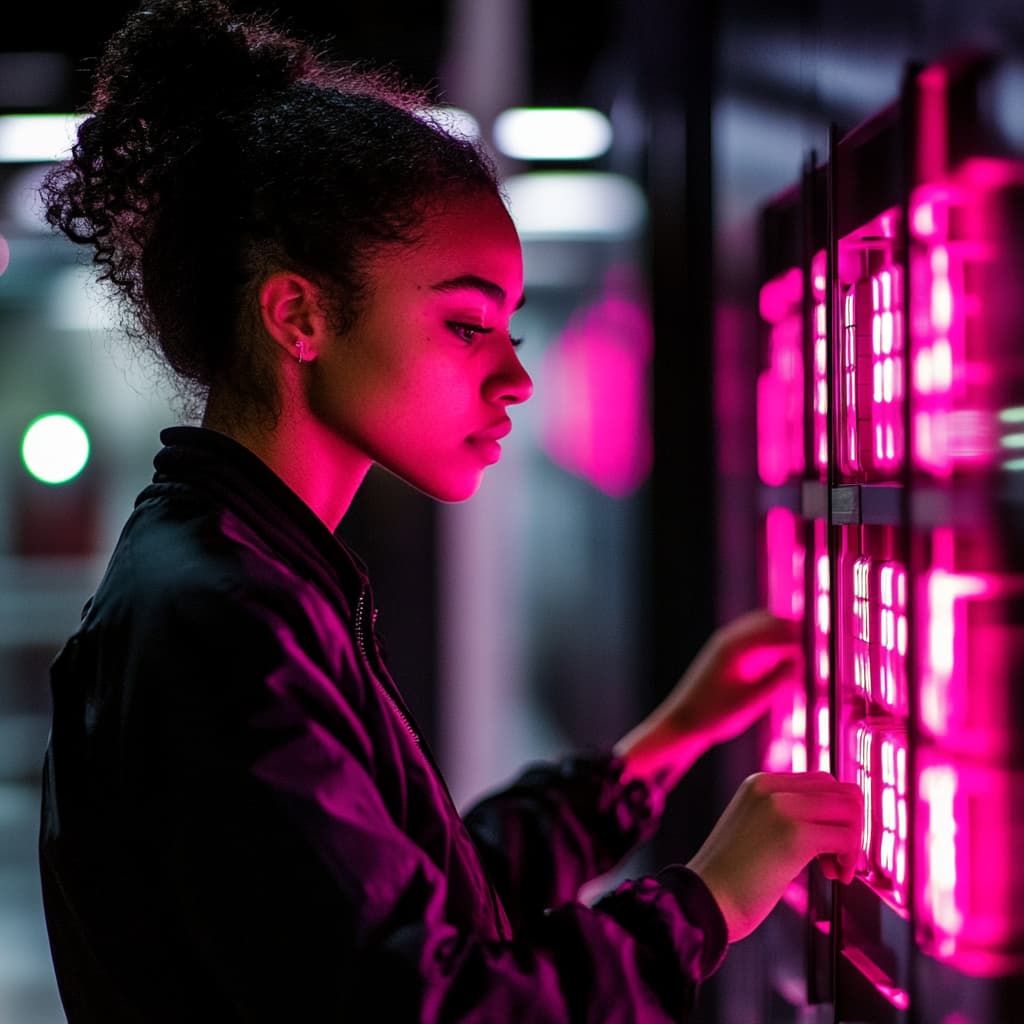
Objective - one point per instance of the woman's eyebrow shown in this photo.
(480, 284)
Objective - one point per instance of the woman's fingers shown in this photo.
(772, 828)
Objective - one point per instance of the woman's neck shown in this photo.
(315, 463)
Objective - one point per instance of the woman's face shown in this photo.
(421, 385)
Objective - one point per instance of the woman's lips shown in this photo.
(486, 441)
(495, 432)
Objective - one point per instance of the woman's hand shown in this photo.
(730, 684)
(773, 826)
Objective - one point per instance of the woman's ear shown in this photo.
(291, 311)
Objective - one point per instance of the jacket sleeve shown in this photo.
(556, 827)
(307, 902)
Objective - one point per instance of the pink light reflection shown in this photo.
(944, 687)
(821, 752)
(780, 397)
(933, 132)
(968, 889)
(595, 412)
(971, 646)
(956, 259)
(819, 380)
(785, 558)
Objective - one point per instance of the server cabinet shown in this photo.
(891, 464)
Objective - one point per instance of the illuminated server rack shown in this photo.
(891, 462)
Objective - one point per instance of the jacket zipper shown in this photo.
(361, 643)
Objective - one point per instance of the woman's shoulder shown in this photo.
(181, 556)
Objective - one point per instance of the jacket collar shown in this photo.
(235, 476)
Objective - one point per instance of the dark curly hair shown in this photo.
(219, 148)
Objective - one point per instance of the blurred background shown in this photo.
(552, 611)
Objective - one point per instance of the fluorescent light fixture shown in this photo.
(1014, 465)
(552, 133)
(454, 120)
(1013, 414)
(580, 205)
(37, 138)
(1013, 441)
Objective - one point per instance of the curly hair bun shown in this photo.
(176, 62)
(219, 147)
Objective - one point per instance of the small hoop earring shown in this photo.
(300, 354)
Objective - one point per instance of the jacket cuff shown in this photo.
(697, 904)
(627, 810)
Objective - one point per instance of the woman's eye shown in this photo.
(468, 332)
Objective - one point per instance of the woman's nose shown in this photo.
(511, 384)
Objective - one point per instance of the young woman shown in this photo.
(241, 821)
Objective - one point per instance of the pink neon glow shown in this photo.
(855, 312)
(870, 352)
(969, 656)
(785, 557)
(881, 757)
(937, 786)
(780, 398)
(933, 133)
(781, 296)
(596, 421)
(875, 594)
(938, 331)
(971, 651)
(969, 892)
(820, 364)
(957, 260)
(871, 432)
(887, 370)
(821, 738)
(891, 589)
(861, 640)
(923, 221)
(784, 564)
(863, 746)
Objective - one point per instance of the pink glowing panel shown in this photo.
(819, 382)
(887, 449)
(871, 444)
(962, 354)
(821, 736)
(780, 397)
(855, 312)
(785, 557)
(861, 624)
(595, 416)
(971, 652)
(881, 758)
(938, 352)
(891, 676)
(968, 820)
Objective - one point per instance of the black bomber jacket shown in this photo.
(241, 822)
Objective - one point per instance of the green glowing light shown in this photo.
(55, 448)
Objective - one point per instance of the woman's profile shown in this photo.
(241, 820)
